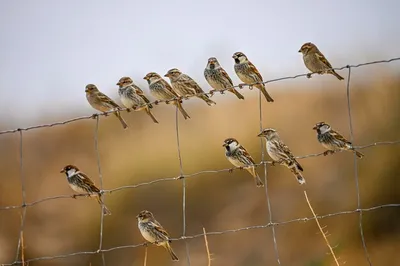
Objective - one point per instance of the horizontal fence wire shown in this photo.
(228, 231)
(182, 177)
(199, 94)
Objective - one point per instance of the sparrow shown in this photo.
(153, 232)
(160, 89)
(217, 77)
(102, 102)
(185, 86)
(249, 74)
(332, 140)
(133, 97)
(315, 61)
(239, 157)
(81, 183)
(281, 154)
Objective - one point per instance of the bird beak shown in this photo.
(315, 128)
(119, 83)
(86, 90)
(300, 51)
(224, 145)
(62, 170)
(260, 135)
(234, 56)
(146, 78)
(166, 75)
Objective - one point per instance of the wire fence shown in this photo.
(21, 260)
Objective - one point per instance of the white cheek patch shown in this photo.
(71, 172)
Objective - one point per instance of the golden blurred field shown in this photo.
(222, 201)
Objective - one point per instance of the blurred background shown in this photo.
(51, 50)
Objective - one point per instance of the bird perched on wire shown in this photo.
(332, 140)
(102, 102)
(249, 74)
(280, 153)
(160, 89)
(133, 97)
(239, 157)
(154, 233)
(185, 86)
(218, 79)
(315, 61)
(81, 183)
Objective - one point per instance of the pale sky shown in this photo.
(51, 49)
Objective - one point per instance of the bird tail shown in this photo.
(266, 95)
(179, 105)
(240, 96)
(117, 114)
(170, 251)
(207, 100)
(333, 72)
(257, 179)
(298, 175)
(359, 154)
(106, 211)
(151, 115)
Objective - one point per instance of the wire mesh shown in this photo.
(182, 177)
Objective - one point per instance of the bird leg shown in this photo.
(328, 152)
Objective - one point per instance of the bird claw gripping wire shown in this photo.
(328, 152)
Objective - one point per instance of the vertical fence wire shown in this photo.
(260, 98)
(96, 147)
(183, 185)
(23, 213)
(356, 170)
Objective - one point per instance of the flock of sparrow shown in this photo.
(183, 86)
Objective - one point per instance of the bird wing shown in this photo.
(139, 92)
(246, 158)
(169, 88)
(87, 182)
(226, 76)
(255, 72)
(322, 58)
(105, 99)
(191, 84)
(286, 153)
(339, 137)
(161, 233)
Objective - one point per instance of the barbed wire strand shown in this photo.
(102, 196)
(356, 169)
(184, 237)
(228, 231)
(198, 94)
(23, 191)
(178, 144)
(260, 99)
(174, 178)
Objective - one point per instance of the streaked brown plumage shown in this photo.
(102, 102)
(249, 74)
(218, 79)
(160, 89)
(239, 157)
(280, 153)
(81, 183)
(315, 61)
(154, 233)
(332, 140)
(185, 86)
(133, 97)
